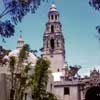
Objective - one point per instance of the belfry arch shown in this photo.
(52, 28)
(52, 44)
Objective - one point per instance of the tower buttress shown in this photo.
(53, 41)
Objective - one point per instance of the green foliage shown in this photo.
(21, 79)
(40, 80)
(24, 53)
(19, 73)
(3, 52)
(51, 96)
(12, 63)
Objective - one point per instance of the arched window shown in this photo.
(25, 96)
(52, 28)
(52, 43)
(58, 70)
(55, 17)
(52, 17)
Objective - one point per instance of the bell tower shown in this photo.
(53, 41)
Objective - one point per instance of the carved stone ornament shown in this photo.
(93, 81)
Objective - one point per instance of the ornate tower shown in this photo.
(53, 41)
(20, 42)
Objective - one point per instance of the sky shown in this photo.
(78, 25)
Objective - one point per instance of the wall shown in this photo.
(57, 62)
(3, 87)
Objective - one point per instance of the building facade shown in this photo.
(64, 84)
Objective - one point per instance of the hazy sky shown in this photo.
(78, 24)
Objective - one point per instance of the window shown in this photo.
(56, 17)
(58, 70)
(51, 87)
(66, 91)
(52, 17)
(52, 43)
(52, 28)
(25, 96)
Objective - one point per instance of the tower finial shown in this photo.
(20, 37)
(53, 7)
(20, 42)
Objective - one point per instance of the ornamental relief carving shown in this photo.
(92, 81)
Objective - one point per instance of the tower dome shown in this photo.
(31, 58)
(53, 7)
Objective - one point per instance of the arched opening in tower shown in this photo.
(52, 28)
(93, 93)
(55, 17)
(52, 17)
(52, 43)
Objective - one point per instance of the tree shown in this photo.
(40, 80)
(21, 79)
(17, 9)
(96, 4)
(51, 96)
(3, 52)
(19, 74)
